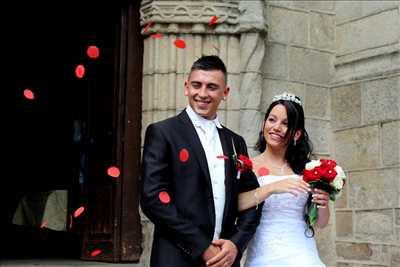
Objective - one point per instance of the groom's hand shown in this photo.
(210, 252)
(226, 256)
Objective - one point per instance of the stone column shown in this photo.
(253, 29)
(237, 37)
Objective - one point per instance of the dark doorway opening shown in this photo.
(70, 133)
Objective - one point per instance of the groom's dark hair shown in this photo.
(209, 63)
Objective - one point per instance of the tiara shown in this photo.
(288, 97)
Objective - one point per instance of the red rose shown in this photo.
(312, 175)
(244, 164)
(328, 163)
(329, 174)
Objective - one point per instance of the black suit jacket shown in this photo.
(184, 228)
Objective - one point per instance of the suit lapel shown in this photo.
(190, 134)
(226, 144)
(193, 139)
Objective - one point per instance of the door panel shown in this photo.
(44, 44)
(118, 239)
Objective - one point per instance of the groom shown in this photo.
(190, 182)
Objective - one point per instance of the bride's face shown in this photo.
(275, 128)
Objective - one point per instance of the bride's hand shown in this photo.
(290, 185)
(320, 197)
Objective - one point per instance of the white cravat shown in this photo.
(208, 134)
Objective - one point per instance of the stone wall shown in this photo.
(342, 59)
(365, 95)
(300, 52)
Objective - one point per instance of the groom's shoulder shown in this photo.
(168, 122)
(233, 134)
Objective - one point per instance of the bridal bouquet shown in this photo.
(323, 174)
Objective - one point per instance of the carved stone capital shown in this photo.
(234, 16)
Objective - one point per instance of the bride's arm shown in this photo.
(323, 217)
(254, 197)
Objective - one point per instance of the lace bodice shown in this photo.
(285, 206)
(280, 238)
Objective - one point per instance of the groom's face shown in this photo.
(205, 91)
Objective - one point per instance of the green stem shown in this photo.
(313, 214)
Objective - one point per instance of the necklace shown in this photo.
(281, 168)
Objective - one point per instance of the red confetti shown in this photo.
(179, 43)
(222, 157)
(29, 94)
(156, 36)
(80, 71)
(164, 197)
(113, 172)
(212, 21)
(43, 225)
(79, 211)
(93, 51)
(148, 26)
(263, 171)
(96, 252)
(183, 155)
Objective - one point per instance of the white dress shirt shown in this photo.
(208, 134)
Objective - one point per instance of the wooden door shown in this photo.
(111, 227)
(44, 44)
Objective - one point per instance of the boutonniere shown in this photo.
(242, 162)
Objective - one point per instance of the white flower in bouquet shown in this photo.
(312, 164)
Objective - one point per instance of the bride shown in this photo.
(282, 238)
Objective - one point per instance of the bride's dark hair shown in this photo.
(296, 155)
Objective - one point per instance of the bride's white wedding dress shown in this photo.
(280, 239)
